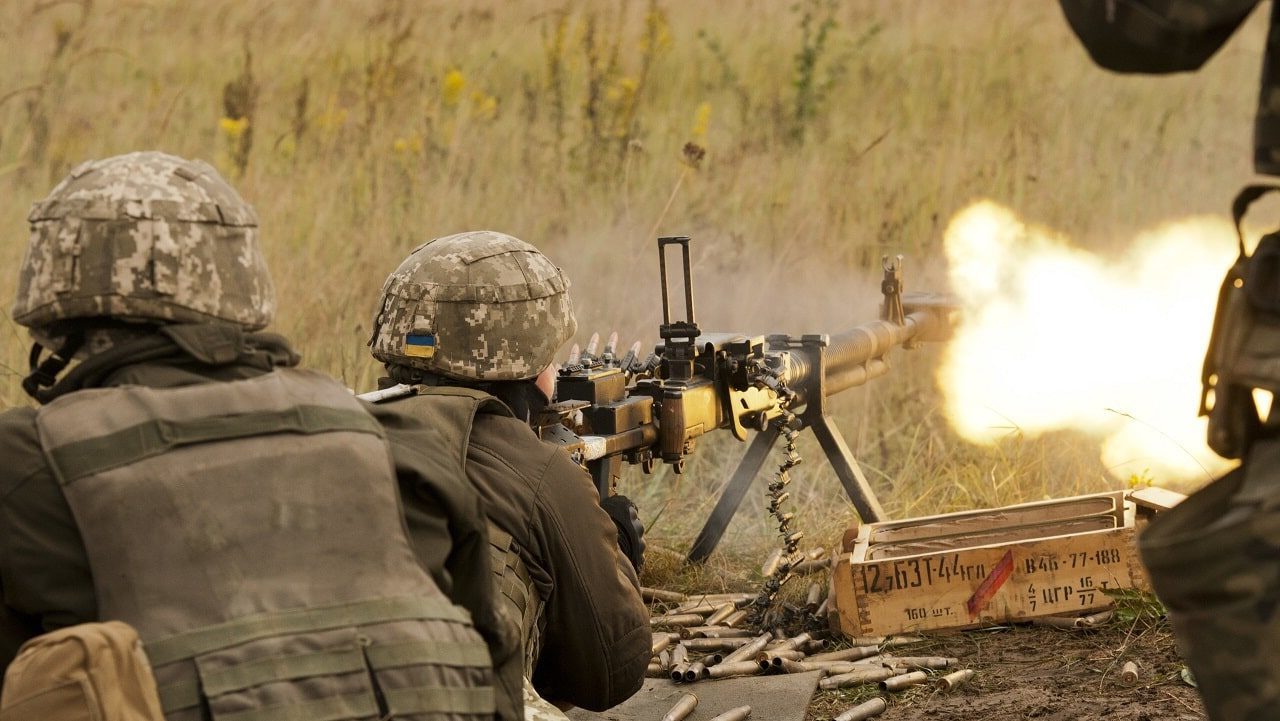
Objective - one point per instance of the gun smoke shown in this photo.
(1055, 337)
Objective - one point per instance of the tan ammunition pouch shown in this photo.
(251, 531)
(89, 672)
(1244, 349)
(452, 410)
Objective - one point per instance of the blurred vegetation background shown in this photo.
(796, 142)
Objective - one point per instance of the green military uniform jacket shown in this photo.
(45, 582)
(596, 642)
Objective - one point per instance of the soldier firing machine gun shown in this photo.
(609, 410)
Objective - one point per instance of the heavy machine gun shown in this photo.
(610, 410)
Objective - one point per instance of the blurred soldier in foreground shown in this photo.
(1215, 559)
(472, 322)
(185, 479)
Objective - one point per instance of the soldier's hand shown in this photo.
(630, 528)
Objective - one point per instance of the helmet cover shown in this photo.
(144, 237)
(479, 305)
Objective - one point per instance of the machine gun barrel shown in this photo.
(858, 355)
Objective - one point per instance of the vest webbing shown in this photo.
(454, 408)
(212, 638)
(325, 709)
(400, 702)
(154, 437)
(518, 593)
(251, 531)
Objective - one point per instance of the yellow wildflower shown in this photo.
(1142, 479)
(333, 117)
(411, 145)
(483, 105)
(233, 128)
(701, 121)
(657, 31)
(621, 91)
(454, 83)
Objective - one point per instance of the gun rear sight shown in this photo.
(686, 329)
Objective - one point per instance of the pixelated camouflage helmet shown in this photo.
(143, 237)
(477, 306)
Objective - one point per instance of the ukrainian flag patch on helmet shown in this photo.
(420, 345)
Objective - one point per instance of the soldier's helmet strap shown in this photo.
(1245, 198)
(94, 369)
(44, 374)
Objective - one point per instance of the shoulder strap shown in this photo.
(484, 402)
(451, 412)
(1245, 198)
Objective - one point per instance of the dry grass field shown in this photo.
(834, 132)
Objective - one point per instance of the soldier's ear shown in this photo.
(546, 380)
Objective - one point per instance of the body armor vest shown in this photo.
(453, 410)
(251, 532)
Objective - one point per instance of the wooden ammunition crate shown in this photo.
(976, 568)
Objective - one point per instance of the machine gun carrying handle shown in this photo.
(686, 329)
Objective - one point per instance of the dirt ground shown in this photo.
(1050, 674)
(1022, 671)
